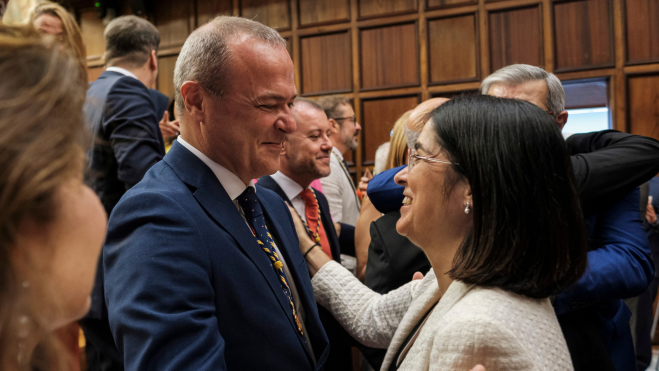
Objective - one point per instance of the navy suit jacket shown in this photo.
(127, 141)
(121, 113)
(188, 288)
(325, 215)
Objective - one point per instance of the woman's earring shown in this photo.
(467, 209)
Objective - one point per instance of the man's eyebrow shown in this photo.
(276, 97)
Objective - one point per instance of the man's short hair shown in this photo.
(518, 74)
(129, 40)
(308, 102)
(206, 58)
(331, 105)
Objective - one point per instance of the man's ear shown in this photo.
(193, 96)
(153, 61)
(334, 126)
(561, 119)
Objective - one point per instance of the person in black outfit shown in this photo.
(124, 119)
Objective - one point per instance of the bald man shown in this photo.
(383, 192)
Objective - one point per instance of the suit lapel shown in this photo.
(289, 249)
(216, 202)
(420, 306)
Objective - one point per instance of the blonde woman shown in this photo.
(51, 225)
(52, 19)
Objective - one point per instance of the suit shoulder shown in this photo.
(269, 196)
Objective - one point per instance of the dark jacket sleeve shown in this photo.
(620, 265)
(157, 280)
(609, 164)
(384, 193)
(131, 124)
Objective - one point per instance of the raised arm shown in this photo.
(158, 289)
(608, 164)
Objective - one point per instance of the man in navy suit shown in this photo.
(127, 142)
(305, 158)
(202, 268)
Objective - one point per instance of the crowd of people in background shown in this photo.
(222, 230)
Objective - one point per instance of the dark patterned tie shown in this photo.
(254, 215)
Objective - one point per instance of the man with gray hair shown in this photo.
(127, 142)
(202, 267)
(593, 317)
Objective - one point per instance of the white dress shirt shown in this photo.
(234, 188)
(122, 71)
(292, 191)
(339, 190)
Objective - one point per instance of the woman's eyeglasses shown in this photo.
(413, 158)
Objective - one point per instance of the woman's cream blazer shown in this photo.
(470, 325)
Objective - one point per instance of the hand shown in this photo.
(302, 235)
(650, 214)
(168, 128)
(363, 184)
(478, 368)
(417, 276)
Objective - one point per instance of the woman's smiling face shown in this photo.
(429, 212)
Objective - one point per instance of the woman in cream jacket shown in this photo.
(490, 199)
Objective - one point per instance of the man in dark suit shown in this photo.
(202, 268)
(305, 158)
(127, 142)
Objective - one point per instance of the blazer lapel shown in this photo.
(213, 198)
(419, 307)
(289, 249)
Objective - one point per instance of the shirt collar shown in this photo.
(338, 153)
(122, 71)
(230, 181)
(291, 188)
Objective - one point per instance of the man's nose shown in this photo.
(286, 123)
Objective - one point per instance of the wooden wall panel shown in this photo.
(642, 21)
(453, 47)
(94, 73)
(326, 63)
(165, 81)
(273, 13)
(643, 101)
(389, 56)
(209, 9)
(516, 37)
(378, 8)
(379, 116)
(92, 32)
(313, 12)
(583, 35)
(173, 22)
(433, 4)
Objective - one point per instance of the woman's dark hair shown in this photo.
(528, 233)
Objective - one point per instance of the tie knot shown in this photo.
(308, 198)
(250, 203)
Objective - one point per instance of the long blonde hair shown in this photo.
(72, 33)
(41, 132)
(398, 146)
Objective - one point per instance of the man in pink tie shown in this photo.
(305, 158)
